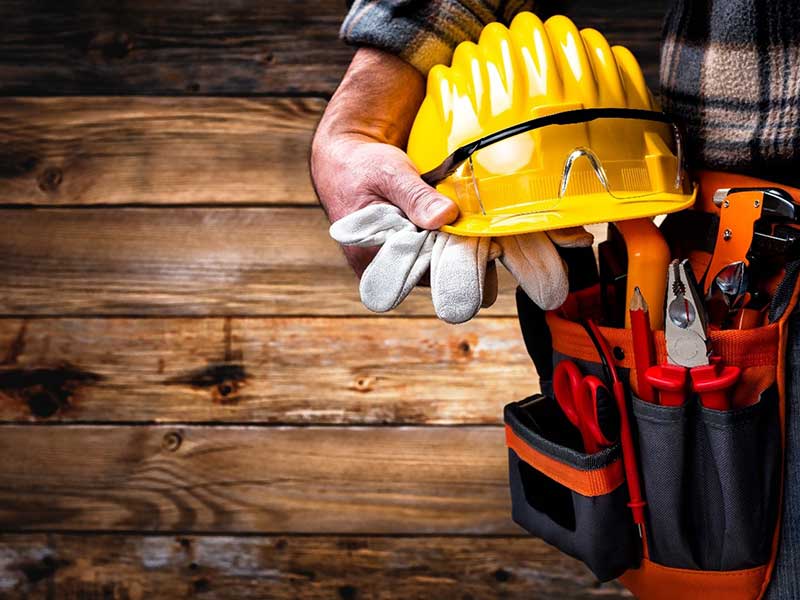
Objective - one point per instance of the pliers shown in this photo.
(689, 356)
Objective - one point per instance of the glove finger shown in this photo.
(495, 250)
(458, 268)
(370, 226)
(534, 262)
(490, 285)
(395, 270)
(571, 237)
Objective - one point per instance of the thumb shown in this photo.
(401, 185)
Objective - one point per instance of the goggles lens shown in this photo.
(616, 159)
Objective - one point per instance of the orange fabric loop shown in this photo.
(744, 348)
(596, 482)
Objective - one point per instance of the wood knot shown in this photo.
(463, 347)
(223, 381)
(364, 383)
(348, 592)
(17, 163)
(46, 390)
(111, 45)
(172, 441)
(38, 570)
(502, 575)
(45, 403)
(50, 179)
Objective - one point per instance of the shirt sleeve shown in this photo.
(424, 33)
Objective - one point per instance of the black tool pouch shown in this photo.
(711, 479)
(575, 501)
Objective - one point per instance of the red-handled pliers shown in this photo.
(691, 366)
(587, 404)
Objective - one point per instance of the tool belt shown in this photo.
(711, 481)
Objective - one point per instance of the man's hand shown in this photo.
(356, 156)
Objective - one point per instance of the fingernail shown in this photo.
(441, 212)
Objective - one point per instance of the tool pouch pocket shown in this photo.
(711, 480)
(574, 501)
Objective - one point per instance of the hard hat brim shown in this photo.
(571, 212)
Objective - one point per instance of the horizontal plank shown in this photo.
(156, 150)
(312, 568)
(181, 261)
(191, 47)
(274, 370)
(225, 47)
(384, 480)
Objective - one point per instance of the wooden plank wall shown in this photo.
(192, 399)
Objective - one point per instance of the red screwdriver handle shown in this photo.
(713, 382)
(670, 381)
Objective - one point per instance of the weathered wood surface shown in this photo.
(176, 261)
(190, 47)
(314, 568)
(398, 480)
(275, 370)
(65, 151)
(224, 48)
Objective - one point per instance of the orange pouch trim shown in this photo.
(654, 582)
(595, 482)
(745, 348)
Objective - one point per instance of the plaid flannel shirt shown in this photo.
(730, 69)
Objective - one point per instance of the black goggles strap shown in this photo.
(568, 117)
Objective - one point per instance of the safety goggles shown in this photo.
(569, 168)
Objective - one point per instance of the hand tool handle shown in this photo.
(566, 381)
(567, 387)
(594, 402)
(648, 257)
(713, 383)
(670, 381)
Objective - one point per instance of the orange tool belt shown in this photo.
(712, 480)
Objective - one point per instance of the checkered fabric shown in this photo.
(730, 69)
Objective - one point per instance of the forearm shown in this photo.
(376, 102)
(377, 98)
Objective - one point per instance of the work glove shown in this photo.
(463, 276)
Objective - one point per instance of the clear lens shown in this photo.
(536, 171)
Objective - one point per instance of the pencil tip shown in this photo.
(637, 300)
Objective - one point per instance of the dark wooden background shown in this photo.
(193, 400)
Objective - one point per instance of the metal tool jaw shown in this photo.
(686, 322)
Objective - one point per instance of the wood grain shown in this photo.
(241, 47)
(373, 480)
(67, 151)
(150, 47)
(313, 568)
(275, 370)
(198, 261)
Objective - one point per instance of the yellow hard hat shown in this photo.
(540, 126)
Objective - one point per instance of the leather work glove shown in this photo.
(463, 276)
